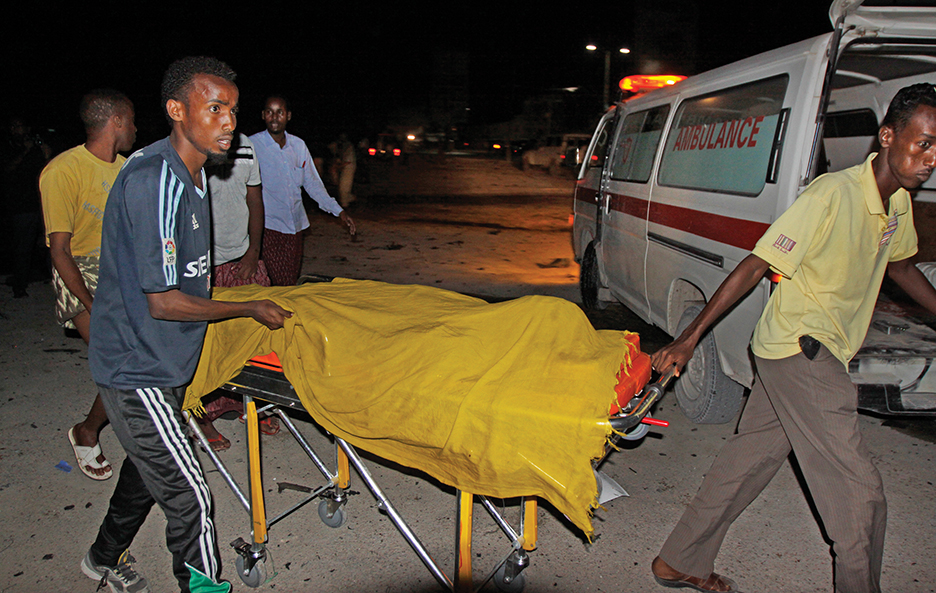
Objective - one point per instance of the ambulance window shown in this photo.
(597, 157)
(722, 142)
(851, 124)
(637, 144)
(848, 139)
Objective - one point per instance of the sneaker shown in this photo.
(121, 578)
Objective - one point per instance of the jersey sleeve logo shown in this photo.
(784, 244)
(169, 252)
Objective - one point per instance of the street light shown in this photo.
(607, 69)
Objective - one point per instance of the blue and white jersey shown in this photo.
(156, 237)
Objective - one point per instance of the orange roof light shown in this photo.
(641, 83)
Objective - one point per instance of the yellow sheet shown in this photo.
(506, 399)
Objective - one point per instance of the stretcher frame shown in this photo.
(263, 383)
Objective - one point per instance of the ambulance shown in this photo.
(679, 183)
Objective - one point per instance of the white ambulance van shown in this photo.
(679, 183)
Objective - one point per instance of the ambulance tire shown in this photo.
(704, 393)
(588, 278)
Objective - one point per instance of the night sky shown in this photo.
(346, 67)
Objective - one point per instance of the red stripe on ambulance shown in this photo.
(736, 232)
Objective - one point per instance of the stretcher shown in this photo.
(265, 390)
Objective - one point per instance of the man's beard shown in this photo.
(216, 158)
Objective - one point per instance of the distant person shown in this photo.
(148, 325)
(23, 157)
(286, 166)
(345, 166)
(74, 188)
(832, 247)
(237, 225)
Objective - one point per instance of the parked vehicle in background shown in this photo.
(679, 183)
(574, 147)
(554, 151)
(386, 148)
(507, 149)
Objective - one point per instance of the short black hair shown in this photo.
(99, 105)
(905, 103)
(279, 96)
(177, 82)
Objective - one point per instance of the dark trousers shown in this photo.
(282, 254)
(162, 468)
(25, 230)
(808, 407)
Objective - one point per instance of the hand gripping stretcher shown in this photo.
(265, 390)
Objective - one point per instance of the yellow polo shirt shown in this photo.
(832, 247)
(74, 187)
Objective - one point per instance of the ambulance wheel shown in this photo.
(704, 393)
(588, 279)
(336, 520)
(257, 575)
(514, 586)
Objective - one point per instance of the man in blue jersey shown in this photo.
(148, 324)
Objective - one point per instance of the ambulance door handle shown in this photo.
(606, 203)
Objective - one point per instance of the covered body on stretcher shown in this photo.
(508, 399)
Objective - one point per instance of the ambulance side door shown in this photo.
(728, 168)
(625, 202)
(588, 185)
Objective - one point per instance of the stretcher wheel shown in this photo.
(514, 586)
(257, 575)
(336, 520)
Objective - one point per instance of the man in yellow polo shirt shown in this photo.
(832, 247)
(74, 188)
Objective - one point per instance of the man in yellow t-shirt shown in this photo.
(74, 188)
(832, 247)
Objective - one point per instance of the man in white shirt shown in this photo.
(286, 167)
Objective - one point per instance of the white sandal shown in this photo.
(87, 457)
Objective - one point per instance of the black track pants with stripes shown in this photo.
(162, 468)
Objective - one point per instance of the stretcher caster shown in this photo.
(332, 513)
(254, 577)
(251, 564)
(509, 576)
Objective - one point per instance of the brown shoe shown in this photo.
(668, 576)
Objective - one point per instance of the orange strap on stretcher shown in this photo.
(631, 380)
(267, 361)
